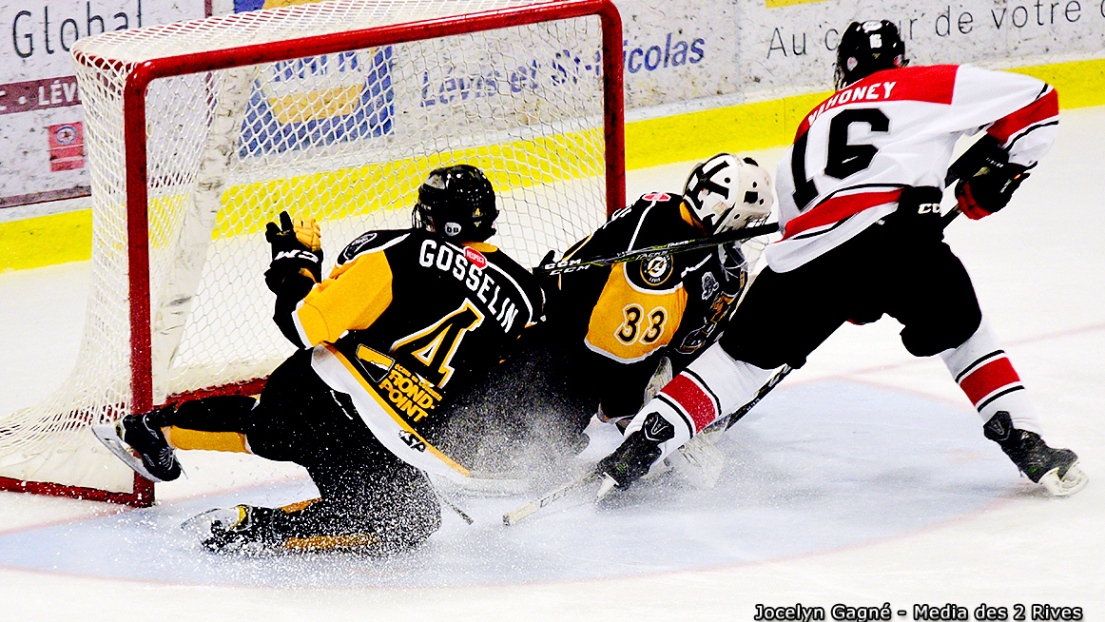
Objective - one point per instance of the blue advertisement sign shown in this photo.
(289, 111)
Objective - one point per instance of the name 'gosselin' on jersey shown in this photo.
(869, 92)
(452, 260)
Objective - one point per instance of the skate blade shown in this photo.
(200, 525)
(1071, 482)
(110, 438)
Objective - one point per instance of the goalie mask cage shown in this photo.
(201, 132)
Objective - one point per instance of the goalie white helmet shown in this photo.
(727, 192)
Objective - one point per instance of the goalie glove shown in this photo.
(296, 256)
(989, 188)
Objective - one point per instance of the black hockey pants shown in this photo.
(900, 268)
(365, 489)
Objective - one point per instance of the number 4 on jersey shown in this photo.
(436, 345)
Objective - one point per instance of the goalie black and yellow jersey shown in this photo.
(628, 315)
(407, 319)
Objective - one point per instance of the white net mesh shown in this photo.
(346, 138)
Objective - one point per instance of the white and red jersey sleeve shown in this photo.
(854, 152)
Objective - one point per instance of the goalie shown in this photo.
(627, 327)
(407, 321)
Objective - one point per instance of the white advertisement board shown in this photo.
(679, 51)
(41, 121)
(789, 46)
(687, 53)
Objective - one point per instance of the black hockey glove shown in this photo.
(296, 256)
(989, 186)
(550, 283)
(637, 453)
(250, 531)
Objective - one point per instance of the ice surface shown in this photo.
(863, 479)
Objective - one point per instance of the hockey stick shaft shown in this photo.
(774, 381)
(639, 254)
(760, 394)
(511, 518)
(447, 502)
(958, 169)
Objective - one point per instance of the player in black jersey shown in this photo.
(406, 324)
(859, 203)
(627, 323)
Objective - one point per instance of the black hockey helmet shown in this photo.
(868, 47)
(458, 202)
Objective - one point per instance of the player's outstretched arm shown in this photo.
(295, 268)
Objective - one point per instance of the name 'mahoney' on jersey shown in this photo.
(853, 153)
(630, 311)
(406, 319)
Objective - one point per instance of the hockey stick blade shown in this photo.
(639, 254)
(512, 518)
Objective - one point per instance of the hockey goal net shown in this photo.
(199, 133)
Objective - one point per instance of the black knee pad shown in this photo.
(765, 354)
(931, 338)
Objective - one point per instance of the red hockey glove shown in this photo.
(989, 189)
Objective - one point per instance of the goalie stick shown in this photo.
(572, 265)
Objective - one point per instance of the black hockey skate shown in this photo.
(242, 529)
(156, 460)
(1056, 470)
(636, 455)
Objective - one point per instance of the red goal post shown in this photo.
(544, 151)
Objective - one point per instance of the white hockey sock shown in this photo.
(715, 384)
(986, 376)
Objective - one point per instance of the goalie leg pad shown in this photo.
(699, 462)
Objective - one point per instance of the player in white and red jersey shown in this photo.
(859, 195)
